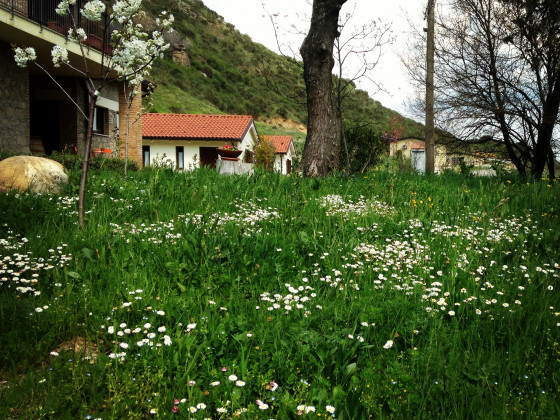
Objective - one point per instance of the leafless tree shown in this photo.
(356, 52)
(498, 76)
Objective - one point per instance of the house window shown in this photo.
(180, 157)
(146, 156)
(100, 120)
(458, 160)
(249, 156)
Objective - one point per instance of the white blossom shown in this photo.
(59, 55)
(133, 49)
(93, 10)
(22, 56)
(124, 8)
(63, 8)
(78, 35)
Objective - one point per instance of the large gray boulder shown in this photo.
(31, 173)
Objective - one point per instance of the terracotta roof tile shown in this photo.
(195, 126)
(418, 145)
(280, 143)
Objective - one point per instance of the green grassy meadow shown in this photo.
(194, 295)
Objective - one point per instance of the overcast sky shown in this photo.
(250, 17)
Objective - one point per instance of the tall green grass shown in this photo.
(383, 296)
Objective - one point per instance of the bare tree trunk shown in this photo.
(322, 146)
(339, 96)
(126, 138)
(550, 163)
(543, 148)
(345, 148)
(540, 157)
(430, 132)
(87, 148)
(343, 141)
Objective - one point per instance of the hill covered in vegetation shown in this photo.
(226, 72)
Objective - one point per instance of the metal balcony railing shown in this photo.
(43, 12)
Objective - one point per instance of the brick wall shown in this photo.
(14, 103)
(134, 130)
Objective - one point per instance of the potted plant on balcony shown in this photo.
(229, 152)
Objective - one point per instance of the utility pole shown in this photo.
(430, 132)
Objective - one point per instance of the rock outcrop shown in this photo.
(30, 173)
(180, 55)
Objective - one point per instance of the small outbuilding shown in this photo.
(285, 153)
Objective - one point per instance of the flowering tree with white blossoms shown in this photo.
(133, 53)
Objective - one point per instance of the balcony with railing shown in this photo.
(43, 12)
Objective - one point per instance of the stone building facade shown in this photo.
(14, 103)
(38, 116)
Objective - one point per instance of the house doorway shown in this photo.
(418, 160)
(53, 118)
(44, 122)
(145, 156)
(208, 156)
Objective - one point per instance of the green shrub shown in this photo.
(6, 154)
(265, 153)
(75, 162)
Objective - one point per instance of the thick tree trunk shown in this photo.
(540, 155)
(322, 146)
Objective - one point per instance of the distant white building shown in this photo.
(285, 153)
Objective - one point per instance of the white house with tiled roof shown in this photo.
(188, 141)
(285, 153)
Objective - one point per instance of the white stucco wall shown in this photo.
(228, 167)
(280, 161)
(164, 152)
(249, 141)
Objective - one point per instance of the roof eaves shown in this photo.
(150, 136)
(247, 128)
